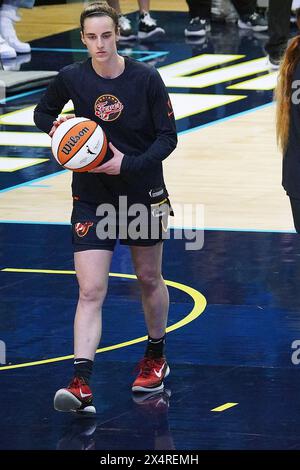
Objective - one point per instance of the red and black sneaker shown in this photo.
(77, 397)
(151, 375)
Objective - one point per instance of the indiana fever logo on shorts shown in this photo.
(82, 228)
(108, 107)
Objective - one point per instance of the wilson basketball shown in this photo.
(79, 144)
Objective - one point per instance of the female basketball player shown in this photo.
(129, 101)
(288, 119)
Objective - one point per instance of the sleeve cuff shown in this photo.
(125, 165)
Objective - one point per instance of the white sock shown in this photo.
(10, 11)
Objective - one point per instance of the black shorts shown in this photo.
(98, 227)
(295, 205)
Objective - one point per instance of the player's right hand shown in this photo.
(58, 121)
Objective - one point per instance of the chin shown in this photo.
(102, 58)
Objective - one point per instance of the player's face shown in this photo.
(100, 36)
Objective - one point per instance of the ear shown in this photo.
(117, 34)
(82, 39)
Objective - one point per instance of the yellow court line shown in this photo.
(224, 407)
(39, 271)
(199, 306)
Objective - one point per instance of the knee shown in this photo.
(148, 278)
(92, 293)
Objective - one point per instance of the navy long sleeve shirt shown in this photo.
(291, 159)
(134, 111)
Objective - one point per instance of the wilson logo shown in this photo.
(67, 148)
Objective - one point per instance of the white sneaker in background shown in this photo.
(126, 33)
(148, 28)
(6, 51)
(8, 15)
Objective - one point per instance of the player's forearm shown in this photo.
(157, 152)
(43, 121)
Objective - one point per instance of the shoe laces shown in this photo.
(148, 20)
(198, 20)
(124, 22)
(254, 16)
(146, 365)
(77, 382)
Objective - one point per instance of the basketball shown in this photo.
(79, 144)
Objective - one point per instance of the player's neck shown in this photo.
(110, 69)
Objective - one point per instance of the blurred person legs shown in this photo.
(248, 17)
(147, 27)
(223, 10)
(8, 16)
(199, 12)
(295, 6)
(126, 32)
(279, 29)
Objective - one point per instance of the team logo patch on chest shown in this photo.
(83, 228)
(108, 107)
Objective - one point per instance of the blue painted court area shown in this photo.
(237, 352)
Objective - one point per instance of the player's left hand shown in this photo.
(113, 166)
